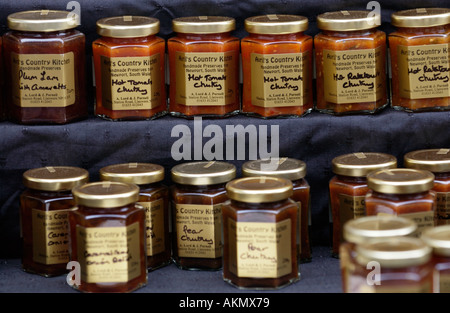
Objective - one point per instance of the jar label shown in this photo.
(109, 254)
(131, 83)
(422, 219)
(299, 226)
(260, 250)
(50, 236)
(443, 280)
(206, 79)
(424, 71)
(354, 76)
(350, 207)
(43, 80)
(199, 230)
(155, 226)
(443, 208)
(280, 80)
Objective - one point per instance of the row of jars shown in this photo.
(45, 58)
(254, 228)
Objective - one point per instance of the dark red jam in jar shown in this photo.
(45, 68)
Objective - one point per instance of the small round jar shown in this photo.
(350, 63)
(204, 67)
(44, 217)
(348, 188)
(405, 192)
(436, 161)
(259, 227)
(363, 230)
(129, 62)
(393, 265)
(45, 68)
(295, 171)
(198, 195)
(154, 197)
(108, 238)
(277, 66)
(420, 59)
(438, 238)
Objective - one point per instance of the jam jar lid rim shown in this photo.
(15, 22)
(79, 176)
(297, 171)
(405, 18)
(353, 20)
(438, 165)
(283, 24)
(340, 167)
(106, 26)
(203, 24)
(146, 176)
(431, 238)
(227, 172)
(279, 193)
(401, 186)
(106, 200)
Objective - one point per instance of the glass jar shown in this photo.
(420, 60)
(44, 217)
(198, 195)
(204, 67)
(277, 66)
(295, 171)
(45, 68)
(154, 197)
(436, 161)
(259, 230)
(363, 230)
(350, 63)
(108, 237)
(129, 69)
(438, 238)
(393, 265)
(405, 192)
(348, 188)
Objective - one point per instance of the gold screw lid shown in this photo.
(438, 238)
(203, 24)
(359, 164)
(348, 20)
(288, 168)
(421, 17)
(261, 189)
(400, 181)
(134, 173)
(276, 24)
(433, 160)
(42, 21)
(203, 173)
(105, 194)
(394, 252)
(362, 229)
(127, 26)
(55, 178)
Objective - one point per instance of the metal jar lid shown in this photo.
(135, 173)
(421, 17)
(394, 252)
(55, 178)
(433, 160)
(203, 24)
(259, 189)
(348, 20)
(288, 168)
(362, 229)
(400, 181)
(438, 238)
(105, 194)
(128, 26)
(359, 164)
(276, 24)
(203, 173)
(42, 21)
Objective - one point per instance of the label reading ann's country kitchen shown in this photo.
(350, 208)
(354, 76)
(109, 254)
(199, 230)
(155, 226)
(280, 80)
(43, 80)
(206, 78)
(131, 83)
(424, 71)
(443, 208)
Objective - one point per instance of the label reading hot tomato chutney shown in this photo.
(206, 79)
